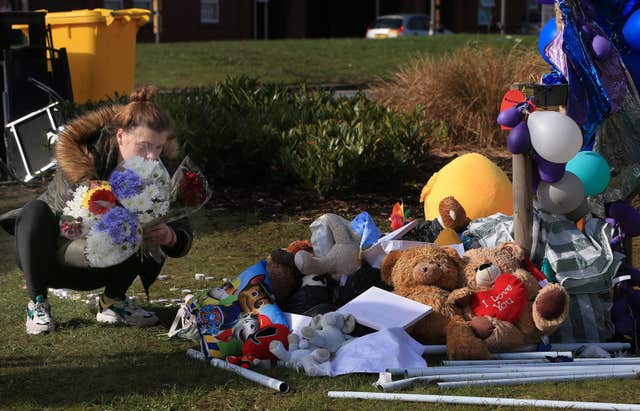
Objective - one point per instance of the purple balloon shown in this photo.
(601, 46)
(510, 117)
(549, 172)
(545, 1)
(519, 141)
(627, 216)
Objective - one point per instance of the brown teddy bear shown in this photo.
(426, 274)
(452, 219)
(503, 305)
(284, 275)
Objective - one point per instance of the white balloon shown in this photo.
(563, 196)
(554, 136)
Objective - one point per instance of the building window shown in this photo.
(209, 11)
(142, 4)
(113, 4)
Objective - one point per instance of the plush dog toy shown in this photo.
(330, 330)
(503, 305)
(302, 356)
(322, 337)
(336, 248)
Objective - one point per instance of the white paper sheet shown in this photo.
(380, 309)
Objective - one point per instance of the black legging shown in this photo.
(36, 233)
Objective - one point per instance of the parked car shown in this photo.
(397, 25)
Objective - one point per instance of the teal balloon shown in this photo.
(547, 34)
(592, 169)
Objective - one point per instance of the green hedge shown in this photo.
(243, 133)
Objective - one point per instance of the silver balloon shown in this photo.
(554, 136)
(563, 196)
(579, 212)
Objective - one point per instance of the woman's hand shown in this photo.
(160, 234)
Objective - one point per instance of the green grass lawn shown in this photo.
(89, 366)
(321, 61)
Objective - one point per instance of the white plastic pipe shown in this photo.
(272, 383)
(531, 355)
(531, 380)
(543, 362)
(611, 347)
(478, 363)
(456, 399)
(389, 385)
(419, 372)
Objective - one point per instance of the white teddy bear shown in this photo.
(324, 336)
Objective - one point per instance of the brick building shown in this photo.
(194, 20)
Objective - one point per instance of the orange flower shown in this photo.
(101, 200)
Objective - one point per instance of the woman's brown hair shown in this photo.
(143, 111)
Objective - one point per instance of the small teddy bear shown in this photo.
(503, 305)
(452, 219)
(426, 274)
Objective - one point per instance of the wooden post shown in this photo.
(522, 207)
(545, 97)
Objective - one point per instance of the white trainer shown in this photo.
(39, 317)
(125, 312)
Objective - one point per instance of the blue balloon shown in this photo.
(592, 169)
(547, 34)
(632, 61)
(631, 31)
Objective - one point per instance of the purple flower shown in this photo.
(125, 183)
(121, 225)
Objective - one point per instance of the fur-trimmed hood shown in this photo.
(86, 146)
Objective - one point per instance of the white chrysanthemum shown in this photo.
(141, 203)
(73, 207)
(98, 249)
(151, 192)
(160, 208)
(101, 251)
(145, 218)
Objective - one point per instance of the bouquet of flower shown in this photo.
(111, 215)
(113, 239)
(142, 187)
(189, 191)
(112, 233)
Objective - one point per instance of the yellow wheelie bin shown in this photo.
(101, 45)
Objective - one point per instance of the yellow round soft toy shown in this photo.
(475, 181)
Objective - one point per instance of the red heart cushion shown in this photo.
(505, 301)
